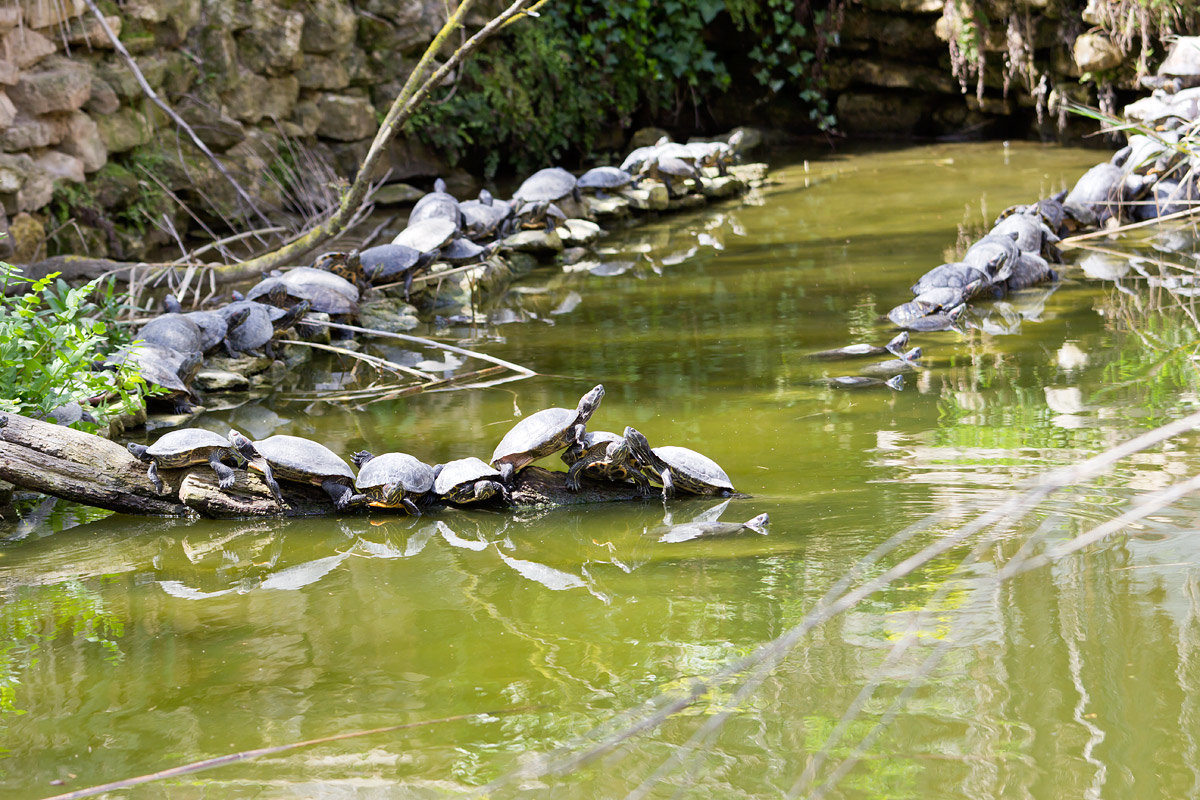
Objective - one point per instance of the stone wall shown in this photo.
(288, 93)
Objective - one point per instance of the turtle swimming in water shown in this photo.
(544, 433)
(185, 447)
(709, 529)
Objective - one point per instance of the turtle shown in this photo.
(895, 383)
(946, 298)
(551, 184)
(175, 331)
(937, 321)
(600, 180)
(427, 237)
(1030, 269)
(710, 529)
(1181, 68)
(953, 274)
(347, 265)
(163, 367)
(260, 322)
(671, 171)
(1099, 191)
(469, 480)
(300, 460)
(438, 204)
(603, 455)
(539, 214)
(392, 480)
(544, 433)
(185, 447)
(483, 218)
(387, 263)
(463, 251)
(994, 255)
(906, 362)
(213, 325)
(895, 347)
(1032, 232)
(326, 292)
(678, 468)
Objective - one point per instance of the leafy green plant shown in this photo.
(51, 335)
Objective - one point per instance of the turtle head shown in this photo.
(485, 197)
(171, 304)
(236, 317)
(439, 185)
(243, 446)
(758, 524)
(392, 496)
(638, 445)
(590, 402)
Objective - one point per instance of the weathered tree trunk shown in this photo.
(90, 469)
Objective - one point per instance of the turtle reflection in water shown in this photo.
(710, 529)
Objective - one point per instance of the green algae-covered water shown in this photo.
(129, 646)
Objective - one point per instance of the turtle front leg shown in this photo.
(268, 476)
(340, 493)
(410, 506)
(506, 473)
(225, 475)
(152, 474)
(574, 474)
(642, 483)
(668, 485)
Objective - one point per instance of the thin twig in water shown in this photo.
(427, 343)
(233, 758)
(375, 361)
(1072, 241)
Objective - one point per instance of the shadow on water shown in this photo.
(131, 645)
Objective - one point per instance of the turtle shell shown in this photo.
(302, 460)
(693, 471)
(175, 331)
(213, 327)
(394, 468)
(186, 446)
(994, 255)
(427, 236)
(436, 205)
(327, 293)
(1030, 229)
(387, 262)
(1030, 269)
(461, 471)
(954, 274)
(1184, 59)
(551, 183)
(604, 178)
(1099, 190)
(537, 436)
(461, 251)
(481, 219)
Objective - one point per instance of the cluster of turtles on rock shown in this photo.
(1155, 174)
(441, 233)
(402, 481)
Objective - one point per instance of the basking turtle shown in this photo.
(185, 447)
(483, 218)
(164, 367)
(388, 263)
(544, 433)
(213, 325)
(300, 460)
(438, 204)
(1100, 191)
(994, 255)
(427, 237)
(1181, 68)
(539, 214)
(605, 456)
(550, 184)
(678, 468)
(954, 274)
(672, 171)
(259, 324)
(175, 331)
(937, 321)
(392, 480)
(710, 529)
(600, 180)
(1030, 269)
(346, 265)
(326, 293)
(463, 251)
(469, 480)
(1032, 233)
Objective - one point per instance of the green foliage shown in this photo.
(50, 336)
(549, 89)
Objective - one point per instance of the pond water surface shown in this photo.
(129, 646)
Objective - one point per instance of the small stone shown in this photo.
(43, 15)
(611, 206)
(83, 140)
(28, 133)
(329, 27)
(60, 166)
(216, 380)
(721, 186)
(124, 130)
(60, 85)
(8, 72)
(102, 100)
(28, 239)
(323, 72)
(1093, 52)
(243, 365)
(534, 242)
(686, 201)
(579, 232)
(24, 47)
(649, 196)
(345, 118)
(644, 137)
(397, 194)
(8, 112)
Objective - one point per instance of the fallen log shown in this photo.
(89, 469)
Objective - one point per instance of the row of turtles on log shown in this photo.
(548, 210)
(402, 481)
(1155, 174)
